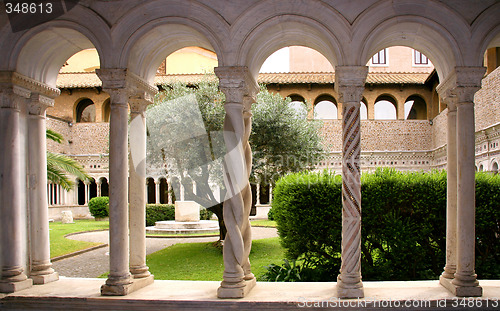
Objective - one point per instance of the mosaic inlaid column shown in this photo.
(119, 279)
(349, 83)
(239, 88)
(41, 267)
(13, 277)
(137, 177)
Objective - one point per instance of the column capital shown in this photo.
(138, 105)
(14, 86)
(39, 104)
(461, 85)
(350, 82)
(124, 84)
(237, 84)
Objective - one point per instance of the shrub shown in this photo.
(270, 214)
(99, 207)
(205, 214)
(159, 212)
(404, 223)
(307, 211)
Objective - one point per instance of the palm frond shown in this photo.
(66, 165)
(57, 176)
(54, 136)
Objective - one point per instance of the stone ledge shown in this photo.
(83, 294)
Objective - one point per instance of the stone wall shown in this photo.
(79, 138)
(440, 129)
(387, 135)
(487, 101)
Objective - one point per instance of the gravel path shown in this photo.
(94, 263)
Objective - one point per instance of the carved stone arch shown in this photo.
(59, 40)
(287, 30)
(420, 33)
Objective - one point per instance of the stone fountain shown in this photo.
(187, 220)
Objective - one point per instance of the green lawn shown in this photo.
(263, 223)
(203, 262)
(59, 245)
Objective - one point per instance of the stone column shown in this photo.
(239, 88)
(99, 190)
(119, 279)
(87, 191)
(270, 194)
(349, 83)
(157, 191)
(461, 86)
(137, 177)
(451, 196)
(169, 193)
(257, 190)
(41, 267)
(13, 277)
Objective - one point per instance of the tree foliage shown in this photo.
(186, 139)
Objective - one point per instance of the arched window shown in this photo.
(481, 168)
(385, 108)
(163, 191)
(106, 110)
(415, 108)
(85, 111)
(150, 184)
(104, 187)
(494, 168)
(92, 189)
(363, 111)
(325, 108)
(81, 192)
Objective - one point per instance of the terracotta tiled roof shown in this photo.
(89, 80)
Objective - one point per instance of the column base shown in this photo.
(347, 291)
(11, 287)
(44, 278)
(125, 289)
(461, 291)
(236, 292)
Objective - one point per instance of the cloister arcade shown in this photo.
(132, 38)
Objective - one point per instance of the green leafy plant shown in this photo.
(159, 212)
(99, 207)
(403, 223)
(288, 272)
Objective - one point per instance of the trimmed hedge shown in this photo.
(403, 223)
(99, 207)
(161, 212)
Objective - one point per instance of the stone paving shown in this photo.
(94, 263)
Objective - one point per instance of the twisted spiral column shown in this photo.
(350, 85)
(237, 278)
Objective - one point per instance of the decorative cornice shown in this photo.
(34, 86)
